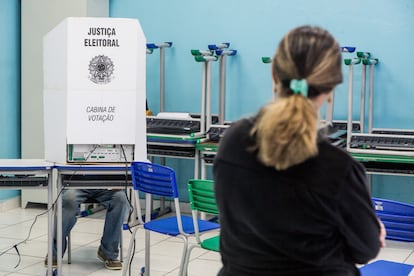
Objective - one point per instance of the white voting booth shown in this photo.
(94, 91)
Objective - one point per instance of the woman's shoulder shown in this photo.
(240, 127)
(243, 123)
(336, 156)
(325, 147)
(237, 139)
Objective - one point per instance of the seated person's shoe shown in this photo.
(109, 264)
(54, 261)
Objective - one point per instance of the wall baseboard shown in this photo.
(9, 204)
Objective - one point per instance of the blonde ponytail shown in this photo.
(286, 132)
(306, 65)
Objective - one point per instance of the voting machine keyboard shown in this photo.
(216, 132)
(388, 151)
(172, 126)
(384, 140)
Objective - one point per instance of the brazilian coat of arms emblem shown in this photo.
(101, 69)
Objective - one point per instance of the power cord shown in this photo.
(91, 152)
(15, 246)
(52, 207)
(131, 209)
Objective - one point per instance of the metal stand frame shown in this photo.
(151, 47)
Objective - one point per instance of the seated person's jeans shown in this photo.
(117, 209)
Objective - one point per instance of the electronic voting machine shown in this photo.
(94, 91)
(173, 134)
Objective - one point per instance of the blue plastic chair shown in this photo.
(153, 179)
(398, 218)
(386, 268)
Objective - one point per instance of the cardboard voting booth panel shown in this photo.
(94, 91)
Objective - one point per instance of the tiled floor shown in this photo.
(165, 252)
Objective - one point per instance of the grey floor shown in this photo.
(165, 251)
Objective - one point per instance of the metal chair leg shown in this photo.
(69, 250)
(129, 255)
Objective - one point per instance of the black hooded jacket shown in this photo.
(315, 218)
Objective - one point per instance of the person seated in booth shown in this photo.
(117, 209)
(290, 202)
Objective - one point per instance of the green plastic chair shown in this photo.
(202, 200)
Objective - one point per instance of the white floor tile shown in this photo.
(9, 261)
(210, 255)
(21, 232)
(91, 226)
(396, 252)
(200, 267)
(161, 263)
(33, 248)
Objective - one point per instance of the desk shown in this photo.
(386, 164)
(174, 146)
(68, 170)
(30, 172)
(206, 151)
(398, 165)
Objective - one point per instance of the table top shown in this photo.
(41, 164)
(25, 164)
(383, 158)
(86, 167)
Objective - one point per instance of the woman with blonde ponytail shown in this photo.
(290, 202)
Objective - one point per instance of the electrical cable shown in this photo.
(132, 257)
(52, 208)
(131, 208)
(90, 152)
(130, 205)
(30, 230)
